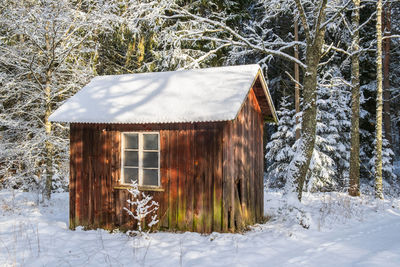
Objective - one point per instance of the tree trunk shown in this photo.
(309, 118)
(379, 103)
(297, 78)
(386, 79)
(354, 173)
(315, 42)
(48, 144)
(47, 123)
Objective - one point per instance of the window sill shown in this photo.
(141, 188)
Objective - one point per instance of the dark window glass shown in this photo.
(150, 177)
(150, 159)
(131, 141)
(150, 141)
(131, 159)
(130, 174)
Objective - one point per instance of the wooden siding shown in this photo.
(243, 194)
(190, 170)
(211, 174)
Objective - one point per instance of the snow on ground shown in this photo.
(342, 231)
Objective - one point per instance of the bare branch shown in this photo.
(390, 36)
(303, 19)
(293, 79)
(335, 16)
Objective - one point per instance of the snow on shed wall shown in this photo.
(212, 94)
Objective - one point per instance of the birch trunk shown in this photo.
(354, 186)
(47, 124)
(379, 103)
(48, 144)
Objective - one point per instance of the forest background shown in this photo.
(331, 66)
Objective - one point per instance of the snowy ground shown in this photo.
(341, 232)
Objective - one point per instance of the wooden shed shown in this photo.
(192, 139)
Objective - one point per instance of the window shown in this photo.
(141, 159)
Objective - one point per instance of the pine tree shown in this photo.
(330, 162)
(389, 178)
(323, 167)
(354, 188)
(368, 152)
(280, 149)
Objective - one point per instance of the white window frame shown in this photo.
(140, 158)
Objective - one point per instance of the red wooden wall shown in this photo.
(211, 174)
(243, 192)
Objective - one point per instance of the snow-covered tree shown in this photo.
(388, 174)
(367, 152)
(330, 162)
(45, 57)
(280, 149)
(140, 207)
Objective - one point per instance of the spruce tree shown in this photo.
(330, 162)
(280, 149)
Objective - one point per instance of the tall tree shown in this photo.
(379, 102)
(354, 186)
(297, 78)
(315, 42)
(387, 122)
(46, 56)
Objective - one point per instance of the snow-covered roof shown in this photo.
(200, 95)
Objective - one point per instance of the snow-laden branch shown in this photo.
(242, 41)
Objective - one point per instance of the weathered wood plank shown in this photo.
(250, 153)
(86, 191)
(181, 198)
(102, 190)
(232, 175)
(246, 163)
(189, 154)
(208, 179)
(173, 171)
(217, 182)
(198, 219)
(254, 160)
(73, 139)
(115, 177)
(109, 181)
(225, 177)
(78, 176)
(164, 152)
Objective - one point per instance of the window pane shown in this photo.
(131, 159)
(150, 141)
(150, 159)
(150, 177)
(130, 174)
(131, 141)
